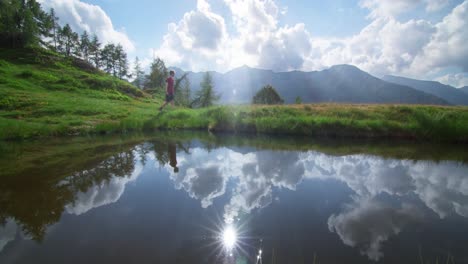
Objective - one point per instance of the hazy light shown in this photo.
(229, 237)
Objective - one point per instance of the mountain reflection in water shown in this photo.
(296, 204)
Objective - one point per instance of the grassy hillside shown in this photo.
(43, 94)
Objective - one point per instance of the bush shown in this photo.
(26, 74)
(267, 95)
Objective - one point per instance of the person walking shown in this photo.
(169, 90)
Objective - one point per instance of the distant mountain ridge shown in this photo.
(449, 93)
(340, 83)
(464, 89)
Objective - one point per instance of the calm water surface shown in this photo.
(199, 198)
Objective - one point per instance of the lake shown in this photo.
(204, 198)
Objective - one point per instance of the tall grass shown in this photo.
(43, 94)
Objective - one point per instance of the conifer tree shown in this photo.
(138, 74)
(95, 51)
(85, 45)
(206, 96)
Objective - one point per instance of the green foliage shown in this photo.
(267, 95)
(114, 60)
(85, 45)
(182, 91)
(68, 41)
(157, 75)
(206, 96)
(59, 99)
(138, 74)
(25, 24)
(298, 100)
(22, 23)
(95, 51)
(39, 98)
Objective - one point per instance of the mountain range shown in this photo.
(464, 89)
(450, 94)
(340, 83)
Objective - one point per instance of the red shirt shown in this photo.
(170, 85)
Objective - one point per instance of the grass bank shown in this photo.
(43, 94)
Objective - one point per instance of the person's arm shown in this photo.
(167, 85)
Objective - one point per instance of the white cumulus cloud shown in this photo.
(447, 47)
(83, 16)
(195, 42)
(435, 5)
(387, 45)
(388, 8)
(456, 80)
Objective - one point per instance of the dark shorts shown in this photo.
(169, 97)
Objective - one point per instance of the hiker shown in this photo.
(169, 90)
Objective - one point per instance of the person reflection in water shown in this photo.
(173, 157)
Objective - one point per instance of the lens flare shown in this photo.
(229, 237)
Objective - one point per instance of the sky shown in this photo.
(422, 39)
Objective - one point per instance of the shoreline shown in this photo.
(332, 121)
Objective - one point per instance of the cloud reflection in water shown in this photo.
(365, 223)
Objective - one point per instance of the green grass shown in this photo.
(43, 94)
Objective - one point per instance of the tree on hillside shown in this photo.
(157, 76)
(206, 96)
(138, 74)
(21, 23)
(107, 58)
(120, 62)
(85, 45)
(182, 90)
(95, 51)
(54, 29)
(267, 95)
(68, 41)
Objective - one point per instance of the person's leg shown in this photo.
(171, 98)
(162, 106)
(166, 101)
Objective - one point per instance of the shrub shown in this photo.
(267, 95)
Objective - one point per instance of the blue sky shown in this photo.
(414, 38)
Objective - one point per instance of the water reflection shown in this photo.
(383, 198)
(39, 203)
(365, 223)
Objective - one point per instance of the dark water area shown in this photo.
(203, 198)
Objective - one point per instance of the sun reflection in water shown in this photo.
(230, 243)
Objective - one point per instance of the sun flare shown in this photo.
(229, 237)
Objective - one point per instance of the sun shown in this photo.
(229, 237)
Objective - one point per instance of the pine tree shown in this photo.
(54, 28)
(95, 51)
(85, 45)
(138, 73)
(68, 41)
(182, 91)
(107, 58)
(157, 75)
(21, 23)
(120, 62)
(206, 96)
(267, 95)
